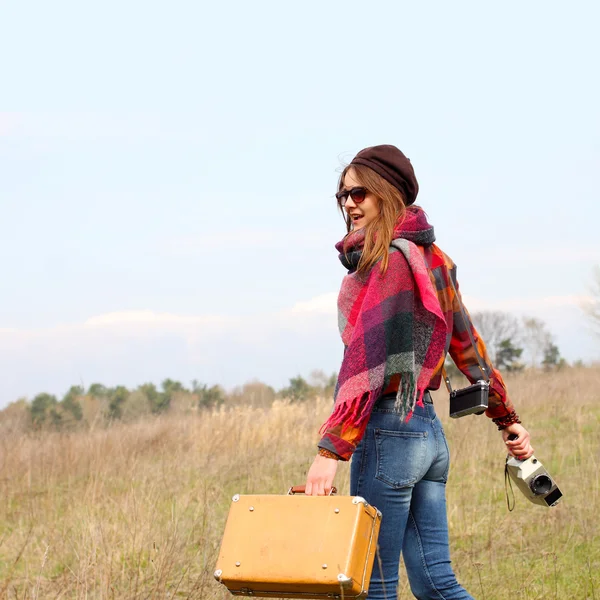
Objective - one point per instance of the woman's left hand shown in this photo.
(520, 447)
(319, 480)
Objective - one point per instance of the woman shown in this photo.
(399, 317)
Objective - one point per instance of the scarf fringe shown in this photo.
(353, 412)
(408, 396)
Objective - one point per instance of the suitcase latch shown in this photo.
(246, 592)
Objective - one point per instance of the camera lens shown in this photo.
(541, 484)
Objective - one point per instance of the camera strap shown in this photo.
(463, 312)
(507, 483)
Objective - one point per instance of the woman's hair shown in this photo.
(379, 232)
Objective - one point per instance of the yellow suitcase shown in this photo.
(298, 546)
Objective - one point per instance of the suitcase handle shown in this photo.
(301, 489)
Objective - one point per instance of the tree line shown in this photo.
(513, 345)
(98, 404)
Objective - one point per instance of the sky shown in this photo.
(167, 175)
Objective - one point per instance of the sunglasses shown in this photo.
(358, 195)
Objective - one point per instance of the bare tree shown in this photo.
(592, 306)
(318, 378)
(536, 339)
(253, 393)
(495, 327)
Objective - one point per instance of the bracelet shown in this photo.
(506, 420)
(328, 453)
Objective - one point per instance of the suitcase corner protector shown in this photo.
(359, 500)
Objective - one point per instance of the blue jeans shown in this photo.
(402, 468)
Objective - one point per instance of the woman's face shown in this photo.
(361, 214)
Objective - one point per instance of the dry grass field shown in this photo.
(137, 510)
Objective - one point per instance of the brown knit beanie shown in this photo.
(393, 166)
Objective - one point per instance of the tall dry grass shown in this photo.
(137, 511)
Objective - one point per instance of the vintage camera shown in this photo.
(469, 400)
(533, 480)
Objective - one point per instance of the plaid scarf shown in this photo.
(390, 324)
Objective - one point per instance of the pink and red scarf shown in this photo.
(391, 324)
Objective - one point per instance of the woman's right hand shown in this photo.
(520, 447)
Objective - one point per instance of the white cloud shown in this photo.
(149, 318)
(9, 122)
(526, 304)
(545, 255)
(131, 347)
(135, 346)
(325, 304)
(302, 316)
